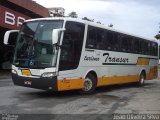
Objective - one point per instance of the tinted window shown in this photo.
(101, 39)
(115, 42)
(71, 46)
(136, 46)
(109, 40)
(130, 44)
(154, 49)
(112, 42)
(147, 47)
(98, 38)
(124, 43)
(91, 37)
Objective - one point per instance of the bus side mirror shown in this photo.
(56, 35)
(10, 37)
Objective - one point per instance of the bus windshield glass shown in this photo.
(34, 47)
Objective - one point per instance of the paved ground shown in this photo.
(105, 103)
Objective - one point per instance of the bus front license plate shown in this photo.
(28, 82)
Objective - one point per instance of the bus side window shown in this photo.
(159, 51)
(136, 45)
(143, 46)
(116, 42)
(100, 39)
(91, 38)
(130, 47)
(149, 48)
(71, 46)
(124, 43)
(109, 40)
(155, 49)
(140, 46)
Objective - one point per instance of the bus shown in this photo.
(59, 54)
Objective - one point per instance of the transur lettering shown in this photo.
(115, 59)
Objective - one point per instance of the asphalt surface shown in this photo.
(26, 103)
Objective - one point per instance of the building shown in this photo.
(56, 12)
(13, 14)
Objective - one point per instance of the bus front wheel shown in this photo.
(89, 84)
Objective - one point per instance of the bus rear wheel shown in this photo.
(141, 79)
(89, 84)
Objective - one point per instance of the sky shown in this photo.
(138, 17)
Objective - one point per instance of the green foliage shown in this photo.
(85, 18)
(157, 36)
(110, 25)
(73, 15)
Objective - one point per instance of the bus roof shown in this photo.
(90, 23)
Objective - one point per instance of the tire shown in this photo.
(141, 79)
(90, 84)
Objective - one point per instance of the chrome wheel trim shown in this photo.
(88, 84)
(142, 80)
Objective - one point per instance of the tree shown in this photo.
(99, 22)
(85, 18)
(110, 25)
(91, 20)
(158, 35)
(73, 15)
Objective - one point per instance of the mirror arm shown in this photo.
(11, 45)
(57, 45)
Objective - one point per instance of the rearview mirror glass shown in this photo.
(10, 37)
(56, 35)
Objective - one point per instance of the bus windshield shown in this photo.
(34, 47)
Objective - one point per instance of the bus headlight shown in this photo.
(14, 71)
(49, 74)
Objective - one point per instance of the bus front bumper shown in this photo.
(38, 83)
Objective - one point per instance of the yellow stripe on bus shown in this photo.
(70, 84)
(153, 73)
(117, 80)
(143, 61)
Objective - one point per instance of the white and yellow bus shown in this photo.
(66, 54)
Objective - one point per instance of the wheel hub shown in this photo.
(87, 84)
